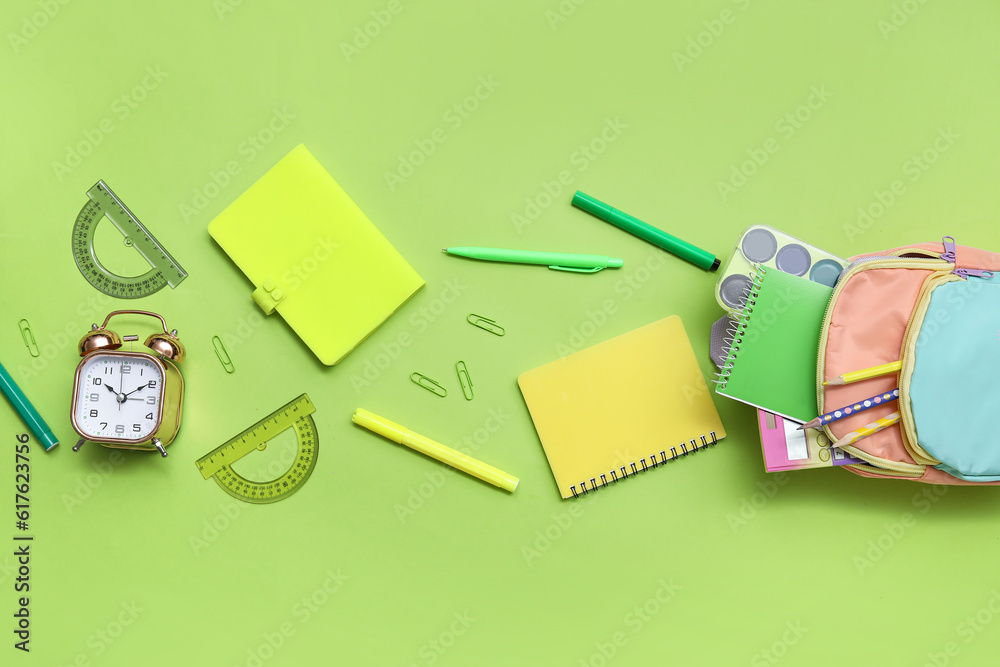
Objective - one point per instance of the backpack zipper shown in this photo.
(881, 472)
(908, 348)
(931, 260)
(907, 352)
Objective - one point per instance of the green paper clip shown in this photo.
(486, 324)
(427, 383)
(464, 379)
(223, 354)
(29, 338)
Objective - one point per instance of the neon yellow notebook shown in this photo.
(621, 407)
(314, 257)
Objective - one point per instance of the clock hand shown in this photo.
(118, 397)
(142, 386)
(121, 386)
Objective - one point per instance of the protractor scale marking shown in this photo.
(105, 204)
(218, 463)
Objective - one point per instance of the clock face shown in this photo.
(118, 397)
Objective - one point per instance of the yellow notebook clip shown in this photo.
(269, 295)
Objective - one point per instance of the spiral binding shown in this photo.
(735, 331)
(689, 447)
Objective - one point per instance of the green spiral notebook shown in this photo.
(771, 363)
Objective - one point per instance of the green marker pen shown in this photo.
(26, 410)
(646, 232)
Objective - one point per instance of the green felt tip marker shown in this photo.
(646, 232)
(26, 410)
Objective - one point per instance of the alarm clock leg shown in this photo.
(78, 445)
(159, 446)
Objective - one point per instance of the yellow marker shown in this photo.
(865, 373)
(455, 459)
(868, 429)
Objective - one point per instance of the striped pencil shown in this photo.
(849, 410)
(868, 429)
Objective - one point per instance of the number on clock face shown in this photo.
(118, 398)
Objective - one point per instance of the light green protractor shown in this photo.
(298, 415)
(104, 203)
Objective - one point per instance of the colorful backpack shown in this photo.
(936, 308)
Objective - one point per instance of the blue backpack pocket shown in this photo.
(950, 381)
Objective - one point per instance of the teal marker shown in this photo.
(560, 261)
(26, 410)
(646, 232)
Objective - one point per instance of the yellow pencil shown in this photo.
(865, 373)
(455, 459)
(868, 429)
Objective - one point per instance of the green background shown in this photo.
(710, 561)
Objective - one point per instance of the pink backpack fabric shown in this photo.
(865, 326)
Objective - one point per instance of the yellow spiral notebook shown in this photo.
(621, 407)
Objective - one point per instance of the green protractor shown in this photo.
(218, 463)
(164, 269)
